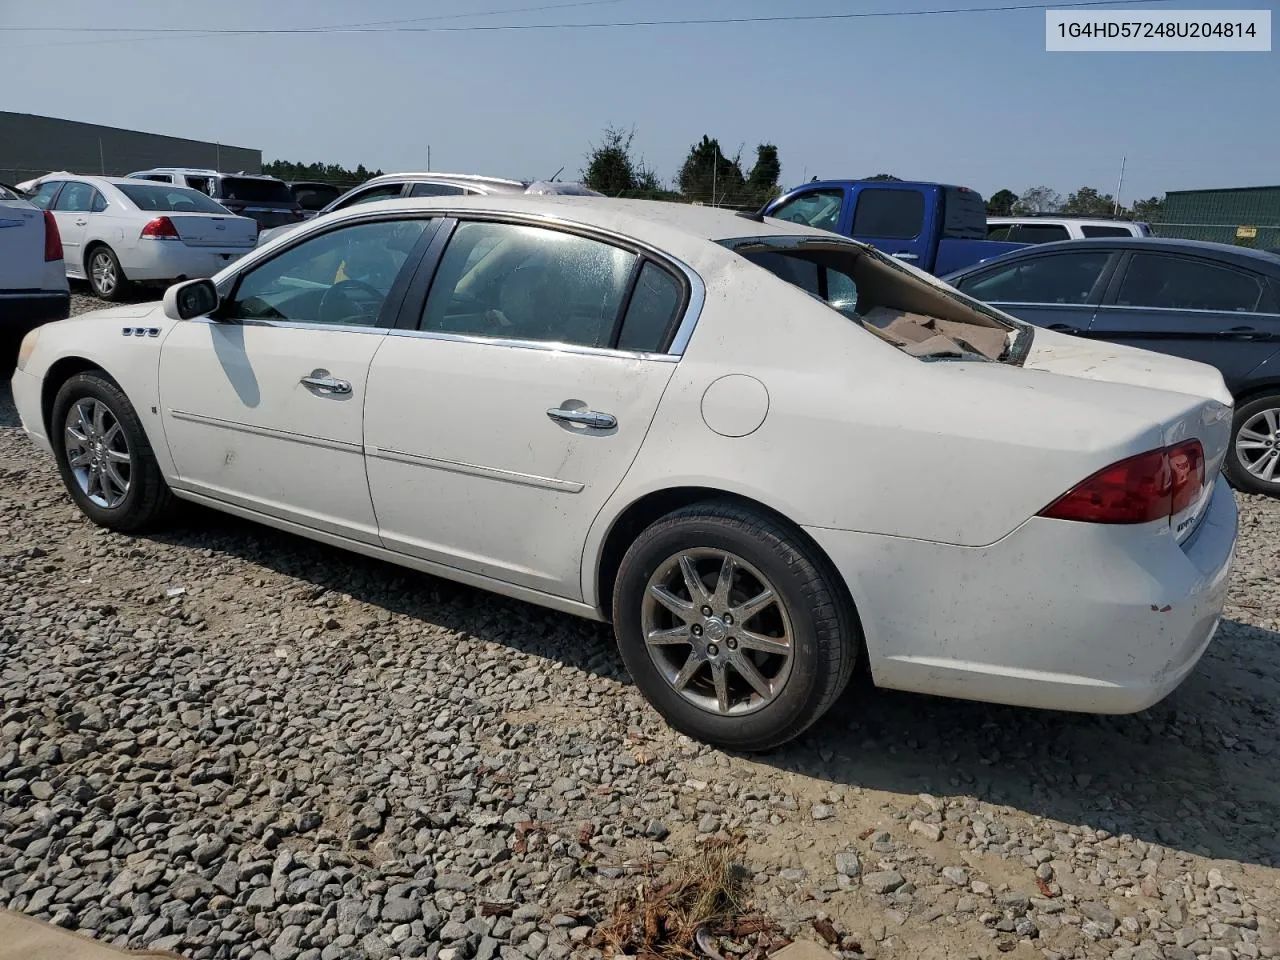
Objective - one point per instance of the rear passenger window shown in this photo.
(999, 231)
(1094, 231)
(1180, 283)
(652, 312)
(75, 198)
(388, 191)
(530, 283)
(1055, 278)
(892, 214)
(1040, 233)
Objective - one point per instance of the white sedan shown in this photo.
(33, 282)
(116, 232)
(763, 452)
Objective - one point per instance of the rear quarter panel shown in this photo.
(859, 436)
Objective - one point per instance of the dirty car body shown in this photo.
(762, 451)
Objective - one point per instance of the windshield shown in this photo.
(166, 198)
(7, 194)
(256, 190)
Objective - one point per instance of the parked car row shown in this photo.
(745, 442)
(109, 225)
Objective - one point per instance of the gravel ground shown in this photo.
(231, 742)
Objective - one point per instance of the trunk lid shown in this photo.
(214, 230)
(1203, 414)
(21, 246)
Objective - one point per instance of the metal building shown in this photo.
(1247, 216)
(31, 145)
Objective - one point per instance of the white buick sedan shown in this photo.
(763, 452)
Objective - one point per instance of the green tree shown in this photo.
(610, 167)
(1001, 203)
(762, 181)
(708, 176)
(885, 176)
(1150, 210)
(1038, 200)
(1088, 202)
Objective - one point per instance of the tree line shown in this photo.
(1085, 202)
(710, 176)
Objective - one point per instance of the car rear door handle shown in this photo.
(904, 255)
(587, 418)
(321, 382)
(1063, 328)
(82, 223)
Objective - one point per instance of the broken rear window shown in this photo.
(887, 299)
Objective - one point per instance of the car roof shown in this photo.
(1244, 256)
(464, 178)
(681, 230)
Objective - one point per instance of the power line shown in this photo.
(193, 33)
(473, 28)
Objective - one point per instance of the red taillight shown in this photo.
(1150, 486)
(161, 228)
(52, 238)
(1186, 463)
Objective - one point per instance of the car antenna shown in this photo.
(552, 178)
(755, 215)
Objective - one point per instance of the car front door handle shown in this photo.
(587, 418)
(904, 255)
(321, 382)
(1245, 333)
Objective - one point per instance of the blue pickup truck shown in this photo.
(935, 227)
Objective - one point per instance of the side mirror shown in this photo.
(190, 299)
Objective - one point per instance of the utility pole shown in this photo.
(102, 158)
(217, 148)
(428, 158)
(1119, 187)
(715, 169)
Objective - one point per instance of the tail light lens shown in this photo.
(161, 228)
(1151, 486)
(1186, 463)
(52, 238)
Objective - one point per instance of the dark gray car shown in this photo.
(1205, 301)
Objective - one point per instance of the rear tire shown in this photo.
(1253, 457)
(103, 454)
(106, 279)
(775, 651)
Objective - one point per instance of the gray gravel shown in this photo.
(234, 743)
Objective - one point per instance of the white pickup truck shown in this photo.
(33, 279)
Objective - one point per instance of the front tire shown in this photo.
(103, 454)
(733, 627)
(106, 279)
(1253, 458)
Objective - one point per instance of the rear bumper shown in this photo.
(30, 309)
(164, 261)
(1058, 615)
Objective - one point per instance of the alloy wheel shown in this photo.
(103, 270)
(98, 452)
(718, 631)
(1258, 445)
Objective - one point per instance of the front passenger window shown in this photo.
(341, 277)
(1066, 278)
(816, 208)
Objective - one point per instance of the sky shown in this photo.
(970, 99)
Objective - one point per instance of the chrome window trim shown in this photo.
(554, 346)
(294, 325)
(1234, 313)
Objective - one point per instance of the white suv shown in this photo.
(1049, 229)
